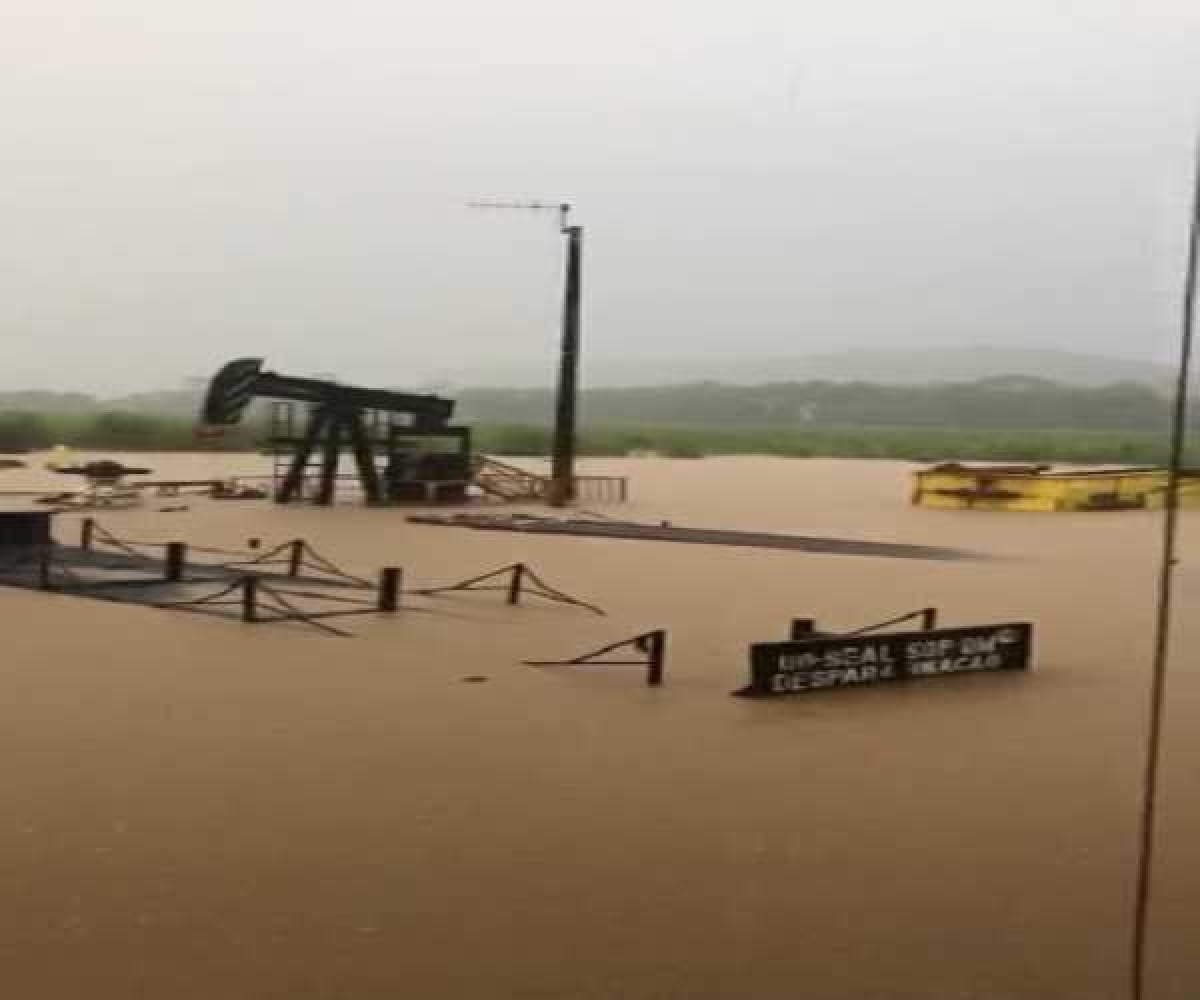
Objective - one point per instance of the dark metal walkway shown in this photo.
(666, 532)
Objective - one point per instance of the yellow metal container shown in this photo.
(1041, 488)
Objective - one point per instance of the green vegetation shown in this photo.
(1003, 403)
(1008, 403)
(925, 445)
(115, 430)
(1016, 418)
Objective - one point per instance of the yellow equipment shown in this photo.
(952, 486)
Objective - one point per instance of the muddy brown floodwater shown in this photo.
(196, 809)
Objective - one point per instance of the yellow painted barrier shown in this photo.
(1041, 488)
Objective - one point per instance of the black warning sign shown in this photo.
(800, 666)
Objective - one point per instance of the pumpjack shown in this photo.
(404, 447)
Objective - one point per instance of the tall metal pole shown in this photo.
(561, 490)
(562, 487)
(1162, 635)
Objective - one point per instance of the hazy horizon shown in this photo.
(188, 184)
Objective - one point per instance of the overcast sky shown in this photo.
(186, 182)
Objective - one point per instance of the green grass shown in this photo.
(114, 431)
(136, 432)
(1085, 447)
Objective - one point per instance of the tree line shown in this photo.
(1017, 414)
(1009, 403)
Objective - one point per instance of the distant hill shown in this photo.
(912, 366)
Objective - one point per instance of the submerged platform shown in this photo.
(666, 532)
(288, 583)
(953, 486)
(24, 528)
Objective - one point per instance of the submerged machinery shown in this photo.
(403, 445)
(952, 486)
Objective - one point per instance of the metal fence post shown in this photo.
(176, 559)
(249, 598)
(514, 583)
(296, 557)
(657, 650)
(803, 628)
(389, 588)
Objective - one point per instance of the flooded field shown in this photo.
(193, 808)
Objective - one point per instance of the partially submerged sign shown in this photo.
(800, 666)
